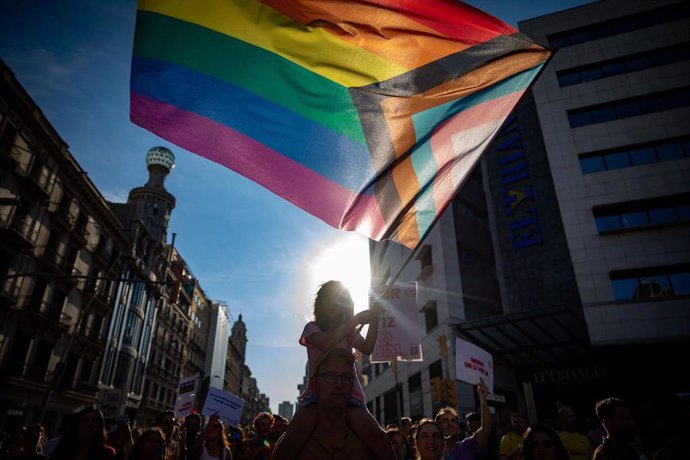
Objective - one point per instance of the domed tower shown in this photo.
(239, 336)
(151, 205)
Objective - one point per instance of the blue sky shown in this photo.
(249, 248)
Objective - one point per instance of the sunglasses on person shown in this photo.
(546, 444)
(332, 377)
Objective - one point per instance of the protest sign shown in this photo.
(228, 406)
(186, 395)
(398, 336)
(473, 363)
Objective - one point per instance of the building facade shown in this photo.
(217, 347)
(286, 409)
(566, 255)
(141, 291)
(95, 306)
(61, 256)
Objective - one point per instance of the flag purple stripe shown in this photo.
(292, 181)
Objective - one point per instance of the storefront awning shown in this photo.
(538, 336)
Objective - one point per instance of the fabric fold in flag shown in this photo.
(368, 114)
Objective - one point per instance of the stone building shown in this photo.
(62, 253)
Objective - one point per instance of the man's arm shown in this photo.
(485, 429)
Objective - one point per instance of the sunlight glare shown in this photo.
(346, 259)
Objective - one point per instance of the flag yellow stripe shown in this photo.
(310, 47)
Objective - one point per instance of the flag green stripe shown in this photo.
(247, 66)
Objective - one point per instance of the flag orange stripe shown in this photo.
(385, 33)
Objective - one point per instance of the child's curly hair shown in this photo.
(332, 293)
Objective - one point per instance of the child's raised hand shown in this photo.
(378, 308)
(366, 316)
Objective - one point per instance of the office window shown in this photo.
(651, 282)
(640, 105)
(430, 315)
(665, 210)
(619, 25)
(635, 155)
(623, 65)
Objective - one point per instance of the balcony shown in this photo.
(7, 160)
(64, 217)
(91, 336)
(39, 182)
(79, 237)
(47, 313)
(9, 292)
(99, 299)
(20, 232)
(104, 250)
(54, 261)
(24, 373)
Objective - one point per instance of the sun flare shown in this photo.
(346, 259)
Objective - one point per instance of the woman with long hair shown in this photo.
(84, 438)
(541, 442)
(212, 442)
(150, 445)
(429, 440)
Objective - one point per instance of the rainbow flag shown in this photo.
(368, 114)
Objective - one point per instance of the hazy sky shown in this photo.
(247, 247)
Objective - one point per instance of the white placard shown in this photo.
(228, 406)
(184, 405)
(398, 336)
(187, 389)
(473, 363)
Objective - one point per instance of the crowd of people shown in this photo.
(85, 435)
(616, 435)
(332, 421)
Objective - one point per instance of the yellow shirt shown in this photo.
(577, 445)
(510, 442)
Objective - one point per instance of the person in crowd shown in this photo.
(405, 431)
(541, 442)
(150, 445)
(235, 437)
(395, 439)
(212, 442)
(121, 439)
(26, 445)
(676, 445)
(401, 447)
(616, 418)
(405, 426)
(85, 439)
(474, 422)
(473, 446)
(595, 432)
(166, 421)
(259, 447)
(577, 444)
(510, 445)
(190, 433)
(333, 438)
(447, 418)
(335, 326)
(52, 443)
(429, 439)
(278, 427)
